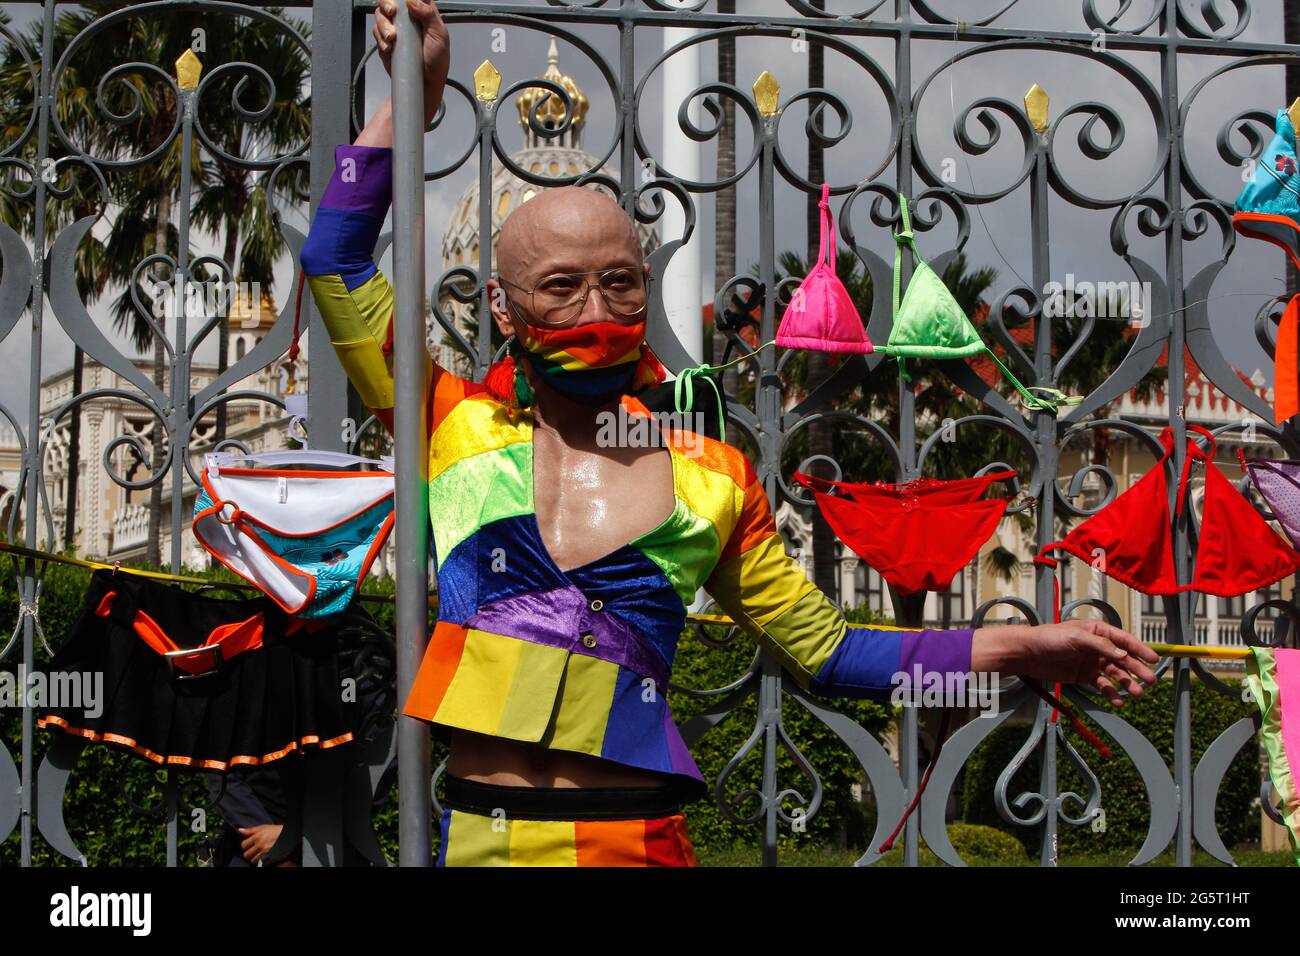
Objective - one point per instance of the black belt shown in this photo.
(562, 803)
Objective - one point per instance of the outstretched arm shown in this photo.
(770, 596)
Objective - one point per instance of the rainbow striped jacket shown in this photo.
(579, 659)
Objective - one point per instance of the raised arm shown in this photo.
(354, 297)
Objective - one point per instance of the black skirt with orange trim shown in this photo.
(195, 681)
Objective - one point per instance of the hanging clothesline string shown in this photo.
(46, 556)
(684, 389)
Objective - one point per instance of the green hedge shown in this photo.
(840, 822)
(1124, 799)
(105, 830)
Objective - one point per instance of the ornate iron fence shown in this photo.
(61, 166)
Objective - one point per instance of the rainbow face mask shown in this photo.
(590, 363)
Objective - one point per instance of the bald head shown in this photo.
(566, 229)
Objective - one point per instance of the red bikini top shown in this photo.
(1132, 537)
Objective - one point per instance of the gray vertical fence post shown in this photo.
(333, 55)
(1177, 391)
(907, 613)
(1044, 426)
(33, 466)
(411, 377)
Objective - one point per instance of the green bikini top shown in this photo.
(929, 323)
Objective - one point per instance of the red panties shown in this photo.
(1132, 536)
(917, 535)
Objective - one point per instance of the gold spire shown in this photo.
(1036, 104)
(767, 93)
(487, 80)
(1293, 111)
(188, 68)
(553, 109)
(245, 313)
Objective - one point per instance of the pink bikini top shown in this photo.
(821, 314)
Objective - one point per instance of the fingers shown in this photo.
(1122, 656)
(1122, 678)
(1136, 654)
(1139, 670)
(1108, 689)
(1124, 639)
(1139, 658)
(1121, 647)
(424, 11)
(383, 34)
(1100, 643)
(1120, 637)
(254, 849)
(385, 30)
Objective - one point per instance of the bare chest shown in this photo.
(589, 503)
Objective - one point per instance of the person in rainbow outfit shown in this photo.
(565, 568)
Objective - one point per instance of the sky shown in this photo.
(1000, 236)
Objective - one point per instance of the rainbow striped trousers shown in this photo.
(507, 826)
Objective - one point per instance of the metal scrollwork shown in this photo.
(981, 169)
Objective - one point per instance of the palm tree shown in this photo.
(144, 226)
(877, 395)
(226, 198)
(229, 200)
(79, 118)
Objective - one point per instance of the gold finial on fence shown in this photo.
(487, 81)
(188, 68)
(767, 93)
(1293, 111)
(1036, 104)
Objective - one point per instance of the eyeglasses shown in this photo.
(558, 300)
